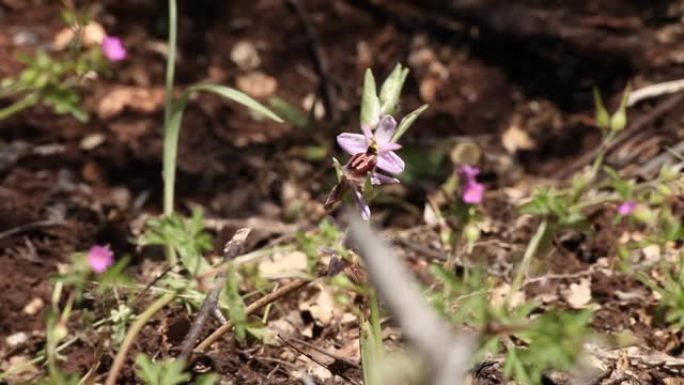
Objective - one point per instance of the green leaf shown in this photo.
(168, 372)
(407, 121)
(236, 310)
(236, 96)
(370, 104)
(289, 112)
(185, 236)
(391, 90)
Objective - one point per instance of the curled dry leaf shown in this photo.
(135, 98)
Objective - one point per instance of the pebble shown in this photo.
(34, 306)
(16, 339)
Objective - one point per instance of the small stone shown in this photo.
(257, 84)
(16, 339)
(91, 141)
(245, 55)
(34, 306)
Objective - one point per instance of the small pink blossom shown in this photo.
(472, 191)
(100, 258)
(626, 207)
(113, 48)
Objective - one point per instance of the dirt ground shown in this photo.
(518, 86)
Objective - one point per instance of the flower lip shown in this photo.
(472, 192)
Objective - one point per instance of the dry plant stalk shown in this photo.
(449, 354)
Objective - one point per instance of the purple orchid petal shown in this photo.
(380, 179)
(100, 258)
(367, 131)
(361, 204)
(627, 207)
(390, 162)
(386, 147)
(385, 130)
(352, 143)
(472, 193)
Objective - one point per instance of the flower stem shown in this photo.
(170, 136)
(527, 257)
(133, 333)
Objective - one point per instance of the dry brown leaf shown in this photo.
(257, 84)
(515, 139)
(500, 295)
(578, 295)
(283, 265)
(91, 35)
(137, 99)
(19, 370)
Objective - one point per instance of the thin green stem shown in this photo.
(133, 333)
(598, 162)
(376, 328)
(170, 61)
(170, 135)
(18, 106)
(531, 250)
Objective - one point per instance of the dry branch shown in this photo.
(448, 353)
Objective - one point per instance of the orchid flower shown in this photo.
(369, 151)
(100, 258)
(113, 48)
(473, 191)
(378, 143)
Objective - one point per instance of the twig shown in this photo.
(252, 308)
(133, 333)
(320, 60)
(30, 226)
(319, 363)
(230, 250)
(337, 357)
(448, 353)
(655, 90)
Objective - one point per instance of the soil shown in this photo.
(480, 73)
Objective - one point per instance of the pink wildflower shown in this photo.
(113, 48)
(100, 258)
(472, 191)
(626, 207)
